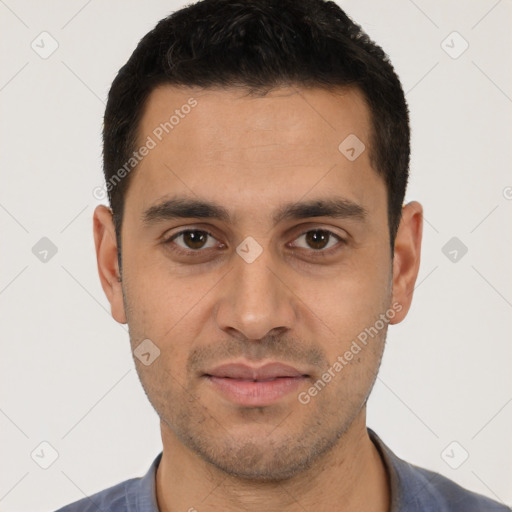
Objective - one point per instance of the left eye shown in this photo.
(319, 239)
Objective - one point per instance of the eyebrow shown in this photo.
(183, 208)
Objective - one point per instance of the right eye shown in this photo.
(190, 241)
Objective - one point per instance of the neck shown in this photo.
(350, 477)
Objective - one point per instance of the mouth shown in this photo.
(249, 386)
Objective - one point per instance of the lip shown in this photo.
(246, 372)
(255, 386)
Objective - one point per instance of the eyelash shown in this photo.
(199, 252)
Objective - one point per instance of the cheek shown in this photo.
(169, 310)
(351, 299)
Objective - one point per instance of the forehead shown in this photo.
(243, 149)
(223, 118)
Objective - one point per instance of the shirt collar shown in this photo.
(141, 497)
(412, 489)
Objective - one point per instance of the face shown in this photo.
(249, 239)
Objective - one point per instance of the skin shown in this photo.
(251, 154)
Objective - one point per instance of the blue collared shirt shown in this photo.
(413, 489)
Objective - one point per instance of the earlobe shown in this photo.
(406, 260)
(108, 265)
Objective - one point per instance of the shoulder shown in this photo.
(441, 494)
(416, 489)
(113, 499)
(133, 495)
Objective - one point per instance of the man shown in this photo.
(256, 158)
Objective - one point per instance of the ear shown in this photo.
(406, 260)
(108, 265)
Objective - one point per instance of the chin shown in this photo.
(263, 459)
(256, 465)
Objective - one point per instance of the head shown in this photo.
(263, 221)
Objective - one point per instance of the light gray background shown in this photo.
(67, 375)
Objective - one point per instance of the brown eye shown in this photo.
(319, 239)
(192, 239)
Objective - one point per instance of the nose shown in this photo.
(256, 300)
